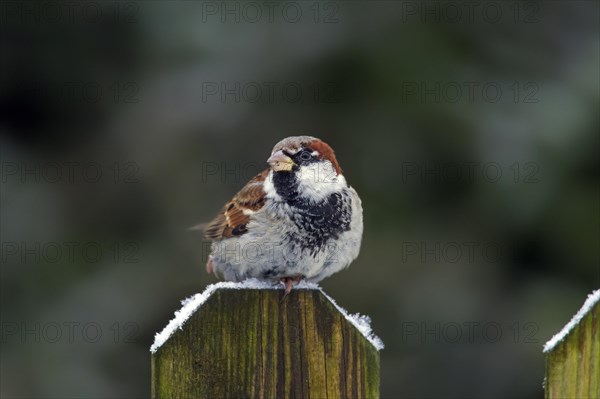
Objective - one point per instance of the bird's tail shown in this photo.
(200, 226)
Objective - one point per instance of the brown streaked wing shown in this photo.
(231, 221)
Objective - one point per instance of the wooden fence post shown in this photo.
(247, 343)
(573, 355)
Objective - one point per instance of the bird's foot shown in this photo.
(289, 283)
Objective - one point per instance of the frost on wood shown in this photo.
(573, 355)
(592, 299)
(362, 323)
(191, 304)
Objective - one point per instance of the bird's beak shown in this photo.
(280, 162)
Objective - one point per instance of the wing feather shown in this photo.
(234, 216)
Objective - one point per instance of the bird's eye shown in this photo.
(305, 155)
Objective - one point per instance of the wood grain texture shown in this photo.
(573, 366)
(249, 344)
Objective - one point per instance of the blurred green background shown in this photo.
(469, 130)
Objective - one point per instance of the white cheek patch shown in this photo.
(317, 172)
(318, 180)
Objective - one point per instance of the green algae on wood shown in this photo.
(573, 355)
(247, 343)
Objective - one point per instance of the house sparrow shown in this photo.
(298, 219)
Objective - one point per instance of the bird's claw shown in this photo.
(288, 282)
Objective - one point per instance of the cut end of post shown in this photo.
(191, 304)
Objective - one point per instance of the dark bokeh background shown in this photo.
(145, 94)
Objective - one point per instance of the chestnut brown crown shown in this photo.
(295, 143)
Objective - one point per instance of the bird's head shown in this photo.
(309, 163)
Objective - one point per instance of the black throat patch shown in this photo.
(317, 223)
